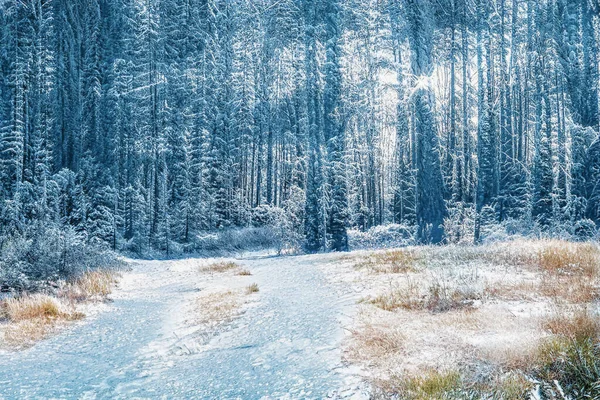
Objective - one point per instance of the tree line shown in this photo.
(143, 124)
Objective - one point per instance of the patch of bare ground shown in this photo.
(480, 321)
(29, 318)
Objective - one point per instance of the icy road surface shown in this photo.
(286, 345)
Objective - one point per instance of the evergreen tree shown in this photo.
(431, 208)
(334, 130)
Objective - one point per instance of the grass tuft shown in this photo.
(33, 317)
(92, 285)
(513, 386)
(252, 288)
(565, 258)
(572, 365)
(579, 326)
(391, 262)
(439, 298)
(569, 288)
(372, 342)
(32, 306)
(220, 267)
(431, 385)
(243, 272)
(217, 307)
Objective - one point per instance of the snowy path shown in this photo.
(285, 346)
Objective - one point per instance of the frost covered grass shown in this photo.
(391, 262)
(578, 325)
(373, 341)
(437, 298)
(568, 362)
(29, 318)
(451, 384)
(571, 259)
(220, 267)
(503, 315)
(253, 288)
(243, 272)
(223, 267)
(216, 308)
(430, 385)
(91, 286)
(225, 295)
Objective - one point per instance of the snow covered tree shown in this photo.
(333, 129)
(431, 208)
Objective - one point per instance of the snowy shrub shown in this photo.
(585, 229)
(43, 254)
(265, 215)
(235, 240)
(282, 223)
(460, 224)
(385, 236)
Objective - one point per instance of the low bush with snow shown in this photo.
(43, 254)
(385, 236)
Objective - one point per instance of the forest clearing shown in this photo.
(300, 199)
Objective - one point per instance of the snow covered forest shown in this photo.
(144, 125)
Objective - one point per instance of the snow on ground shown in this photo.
(505, 299)
(286, 344)
(297, 337)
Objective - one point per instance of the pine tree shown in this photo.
(314, 230)
(334, 131)
(431, 208)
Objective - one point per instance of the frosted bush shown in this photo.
(585, 230)
(385, 236)
(460, 224)
(235, 240)
(43, 254)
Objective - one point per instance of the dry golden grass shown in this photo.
(445, 385)
(25, 334)
(568, 288)
(566, 258)
(515, 253)
(243, 272)
(406, 296)
(33, 306)
(372, 342)
(253, 288)
(515, 290)
(514, 386)
(216, 308)
(511, 334)
(391, 262)
(578, 325)
(220, 267)
(438, 298)
(92, 285)
(31, 318)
